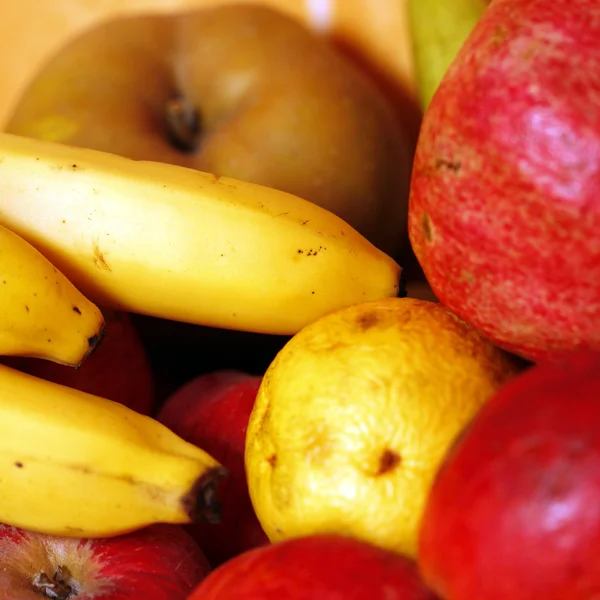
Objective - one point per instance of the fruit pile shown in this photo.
(261, 341)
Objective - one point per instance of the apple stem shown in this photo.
(60, 586)
(183, 124)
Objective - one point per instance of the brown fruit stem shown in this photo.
(183, 124)
(202, 503)
(61, 586)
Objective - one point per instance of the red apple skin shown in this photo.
(514, 512)
(212, 412)
(327, 567)
(118, 369)
(160, 562)
(504, 203)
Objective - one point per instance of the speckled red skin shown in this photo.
(507, 170)
(514, 512)
(319, 567)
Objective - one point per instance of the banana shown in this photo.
(438, 29)
(43, 314)
(172, 242)
(78, 465)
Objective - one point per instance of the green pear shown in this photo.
(438, 30)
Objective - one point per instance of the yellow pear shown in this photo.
(356, 413)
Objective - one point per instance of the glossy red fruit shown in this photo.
(514, 512)
(160, 562)
(505, 202)
(212, 412)
(323, 567)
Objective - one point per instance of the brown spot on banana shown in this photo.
(99, 258)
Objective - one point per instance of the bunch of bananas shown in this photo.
(79, 227)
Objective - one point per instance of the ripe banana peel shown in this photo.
(438, 30)
(78, 465)
(172, 242)
(43, 314)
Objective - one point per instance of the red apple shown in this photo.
(160, 562)
(212, 412)
(514, 511)
(504, 203)
(323, 567)
(118, 369)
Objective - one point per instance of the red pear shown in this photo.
(514, 513)
(505, 194)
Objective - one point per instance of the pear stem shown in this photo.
(183, 124)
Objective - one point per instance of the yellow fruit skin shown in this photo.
(172, 242)
(74, 464)
(356, 413)
(43, 314)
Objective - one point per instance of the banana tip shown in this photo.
(202, 503)
(93, 342)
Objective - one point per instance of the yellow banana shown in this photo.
(173, 242)
(74, 464)
(43, 314)
(438, 30)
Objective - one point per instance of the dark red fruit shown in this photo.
(514, 513)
